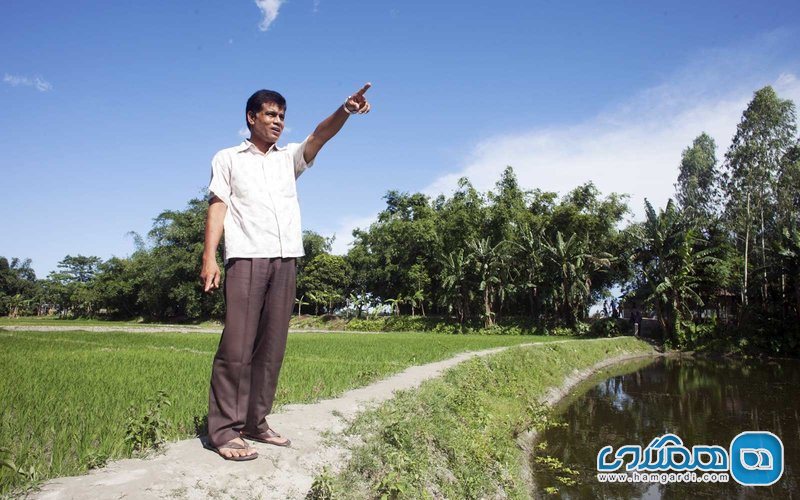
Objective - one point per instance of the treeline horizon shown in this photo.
(720, 260)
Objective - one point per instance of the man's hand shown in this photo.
(210, 276)
(357, 103)
(330, 126)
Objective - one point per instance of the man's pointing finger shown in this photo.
(364, 89)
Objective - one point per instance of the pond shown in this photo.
(702, 401)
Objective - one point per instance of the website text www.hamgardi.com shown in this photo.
(662, 477)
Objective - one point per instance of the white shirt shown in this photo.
(259, 189)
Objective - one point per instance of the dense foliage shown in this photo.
(722, 261)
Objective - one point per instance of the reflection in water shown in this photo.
(702, 401)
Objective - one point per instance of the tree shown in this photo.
(404, 234)
(696, 187)
(456, 288)
(532, 254)
(71, 289)
(594, 220)
(18, 285)
(667, 258)
(574, 267)
(314, 244)
(169, 269)
(789, 250)
(488, 261)
(420, 282)
(300, 303)
(80, 268)
(766, 132)
(327, 279)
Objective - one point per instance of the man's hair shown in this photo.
(261, 97)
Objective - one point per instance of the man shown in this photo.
(253, 198)
(636, 319)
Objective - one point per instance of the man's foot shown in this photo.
(268, 437)
(237, 450)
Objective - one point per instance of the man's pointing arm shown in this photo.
(331, 125)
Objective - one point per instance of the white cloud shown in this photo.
(269, 8)
(634, 148)
(36, 82)
(344, 232)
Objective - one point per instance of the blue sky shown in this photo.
(111, 111)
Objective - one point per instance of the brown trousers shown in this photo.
(259, 297)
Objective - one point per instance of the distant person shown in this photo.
(636, 320)
(253, 199)
(614, 309)
(605, 309)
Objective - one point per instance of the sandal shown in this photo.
(232, 445)
(267, 437)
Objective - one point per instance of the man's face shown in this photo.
(267, 124)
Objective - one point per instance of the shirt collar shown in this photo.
(246, 145)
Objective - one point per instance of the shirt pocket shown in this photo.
(242, 185)
(286, 187)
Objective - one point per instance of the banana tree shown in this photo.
(455, 293)
(668, 257)
(300, 303)
(574, 268)
(488, 261)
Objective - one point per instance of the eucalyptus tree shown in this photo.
(751, 170)
(696, 190)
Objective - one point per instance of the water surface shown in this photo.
(704, 402)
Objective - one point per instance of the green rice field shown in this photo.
(67, 397)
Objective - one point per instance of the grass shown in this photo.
(70, 399)
(455, 437)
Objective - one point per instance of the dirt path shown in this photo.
(151, 329)
(186, 470)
